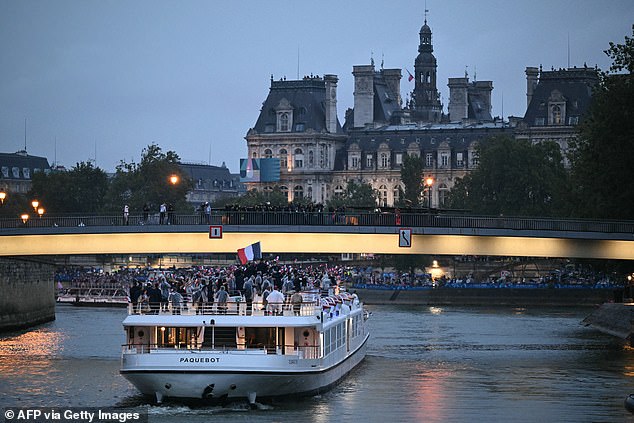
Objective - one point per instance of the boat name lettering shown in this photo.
(199, 360)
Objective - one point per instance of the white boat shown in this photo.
(214, 354)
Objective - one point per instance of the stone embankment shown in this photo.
(27, 293)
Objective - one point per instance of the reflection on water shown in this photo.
(431, 364)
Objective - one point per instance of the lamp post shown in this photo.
(429, 181)
(174, 179)
(24, 217)
(35, 203)
(3, 195)
(40, 211)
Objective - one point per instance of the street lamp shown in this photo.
(3, 195)
(25, 218)
(429, 181)
(40, 211)
(174, 179)
(35, 203)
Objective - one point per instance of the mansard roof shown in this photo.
(429, 137)
(574, 85)
(205, 172)
(306, 97)
(13, 165)
(384, 103)
(478, 109)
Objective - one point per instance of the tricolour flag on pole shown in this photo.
(410, 77)
(250, 253)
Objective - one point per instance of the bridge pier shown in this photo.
(27, 293)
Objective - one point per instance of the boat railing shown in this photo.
(301, 351)
(237, 308)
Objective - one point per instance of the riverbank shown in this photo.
(517, 297)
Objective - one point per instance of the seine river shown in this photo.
(424, 364)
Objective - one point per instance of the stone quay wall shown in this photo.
(27, 293)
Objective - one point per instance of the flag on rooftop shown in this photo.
(250, 253)
(410, 77)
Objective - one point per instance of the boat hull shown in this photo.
(220, 383)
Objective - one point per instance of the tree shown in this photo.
(254, 198)
(513, 178)
(412, 177)
(149, 182)
(356, 195)
(80, 190)
(602, 158)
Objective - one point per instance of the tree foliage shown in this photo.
(254, 198)
(412, 177)
(356, 195)
(80, 190)
(149, 183)
(513, 177)
(602, 158)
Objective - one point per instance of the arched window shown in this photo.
(284, 190)
(299, 158)
(268, 153)
(283, 158)
(338, 190)
(298, 192)
(383, 195)
(254, 155)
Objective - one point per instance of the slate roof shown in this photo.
(307, 97)
(428, 137)
(13, 165)
(575, 84)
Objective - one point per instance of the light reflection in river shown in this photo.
(423, 364)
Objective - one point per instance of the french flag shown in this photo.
(250, 253)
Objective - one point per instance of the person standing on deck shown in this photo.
(221, 300)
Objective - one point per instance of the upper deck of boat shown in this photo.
(313, 306)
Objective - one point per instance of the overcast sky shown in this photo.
(104, 79)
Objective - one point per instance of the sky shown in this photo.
(101, 80)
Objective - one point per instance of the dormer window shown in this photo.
(284, 127)
(284, 112)
(556, 115)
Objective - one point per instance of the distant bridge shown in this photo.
(320, 232)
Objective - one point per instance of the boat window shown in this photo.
(176, 337)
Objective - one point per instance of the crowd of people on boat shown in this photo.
(267, 283)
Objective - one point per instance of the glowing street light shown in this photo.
(3, 195)
(35, 203)
(429, 181)
(25, 218)
(40, 211)
(174, 179)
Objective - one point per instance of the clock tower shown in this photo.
(426, 98)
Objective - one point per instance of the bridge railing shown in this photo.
(309, 218)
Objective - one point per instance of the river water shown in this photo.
(424, 364)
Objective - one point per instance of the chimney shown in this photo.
(458, 99)
(363, 95)
(331, 103)
(531, 83)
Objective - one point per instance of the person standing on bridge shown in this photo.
(162, 212)
(126, 214)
